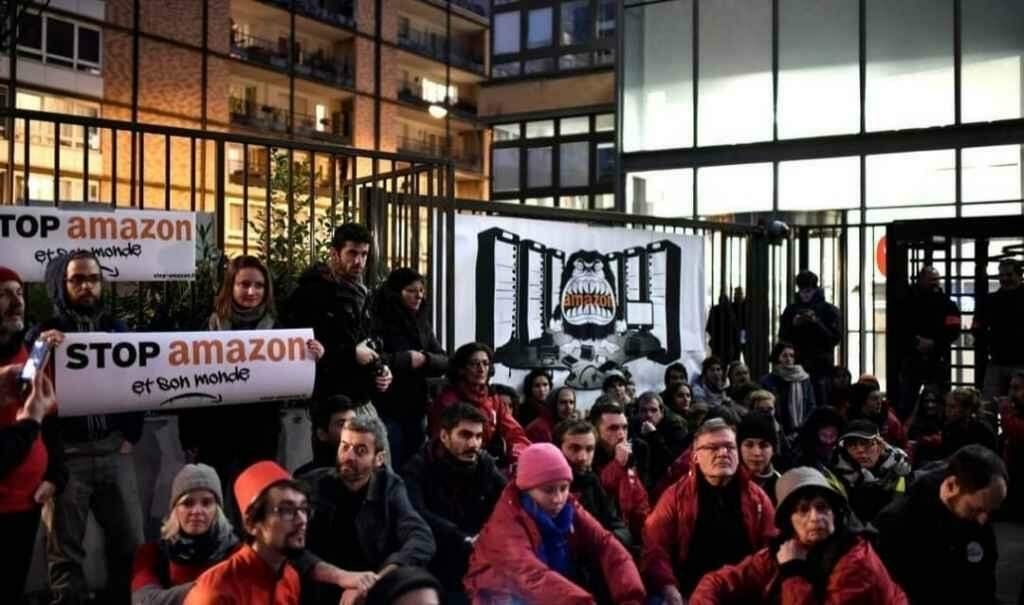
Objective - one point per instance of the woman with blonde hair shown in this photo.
(195, 536)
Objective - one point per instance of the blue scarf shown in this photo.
(554, 533)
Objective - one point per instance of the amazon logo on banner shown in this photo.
(97, 227)
(184, 353)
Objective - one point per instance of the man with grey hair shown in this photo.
(363, 519)
(713, 517)
(663, 430)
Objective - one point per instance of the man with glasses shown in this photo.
(98, 450)
(275, 515)
(364, 521)
(713, 517)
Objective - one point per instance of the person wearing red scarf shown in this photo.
(469, 376)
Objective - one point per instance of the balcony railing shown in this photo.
(436, 149)
(275, 119)
(433, 45)
(322, 66)
(410, 93)
(335, 12)
(476, 6)
(258, 50)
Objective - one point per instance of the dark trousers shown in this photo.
(19, 537)
(405, 436)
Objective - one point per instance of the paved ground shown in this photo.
(1011, 561)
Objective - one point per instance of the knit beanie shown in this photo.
(10, 275)
(399, 279)
(399, 583)
(196, 476)
(539, 464)
(757, 425)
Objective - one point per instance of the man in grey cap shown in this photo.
(873, 471)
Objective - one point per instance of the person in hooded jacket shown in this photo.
(815, 328)
(454, 485)
(245, 302)
(874, 472)
(469, 377)
(822, 555)
(195, 536)
(541, 546)
(559, 406)
(866, 402)
(401, 321)
(792, 387)
(97, 448)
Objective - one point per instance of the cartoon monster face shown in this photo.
(588, 303)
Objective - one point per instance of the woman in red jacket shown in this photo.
(541, 546)
(819, 556)
(195, 536)
(469, 377)
(559, 406)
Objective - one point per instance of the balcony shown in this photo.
(433, 46)
(410, 93)
(321, 66)
(436, 148)
(334, 12)
(257, 50)
(475, 6)
(275, 119)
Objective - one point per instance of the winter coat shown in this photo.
(782, 391)
(401, 332)
(815, 341)
(586, 488)
(245, 578)
(1011, 418)
(626, 485)
(704, 393)
(455, 501)
(935, 556)
(542, 429)
(30, 452)
(998, 327)
(389, 528)
(871, 490)
(160, 578)
(678, 470)
(671, 525)
(967, 432)
(337, 311)
(931, 315)
(724, 331)
(666, 442)
(505, 564)
(500, 422)
(857, 577)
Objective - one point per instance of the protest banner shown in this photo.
(131, 245)
(104, 373)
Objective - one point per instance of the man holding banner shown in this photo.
(101, 469)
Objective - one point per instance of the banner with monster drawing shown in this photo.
(581, 301)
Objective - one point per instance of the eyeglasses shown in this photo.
(714, 448)
(287, 513)
(80, 280)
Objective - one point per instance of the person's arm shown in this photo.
(444, 530)
(56, 467)
(15, 443)
(437, 358)
(146, 586)
(417, 543)
(659, 535)
(742, 582)
(617, 566)
(511, 430)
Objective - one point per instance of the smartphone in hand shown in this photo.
(37, 361)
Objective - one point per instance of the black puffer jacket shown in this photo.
(401, 332)
(815, 341)
(588, 491)
(456, 501)
(337, 311)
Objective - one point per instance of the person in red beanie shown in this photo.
(275, 513)
(32, 458)
(541, 546)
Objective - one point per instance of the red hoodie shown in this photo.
(18, 487)
(499, 417)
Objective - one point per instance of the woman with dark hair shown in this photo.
(245, 301)
(469, 377)
(820, 556)
(401, 321)
(536, 387)
(678, 398)
(792, 387)
(866, 402)
(841, 382)
(924, 428)
(710, 385)
(559, 407)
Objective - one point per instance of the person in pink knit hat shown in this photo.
(541, 546)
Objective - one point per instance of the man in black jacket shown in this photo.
(454, 485)
(363, 520)
(663, 430)
(332, 299)
(999, 331)
(815, 328)
(98, 450)
(924, 326)
(938, 541)
(578, 439)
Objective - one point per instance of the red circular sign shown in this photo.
(880, 255)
